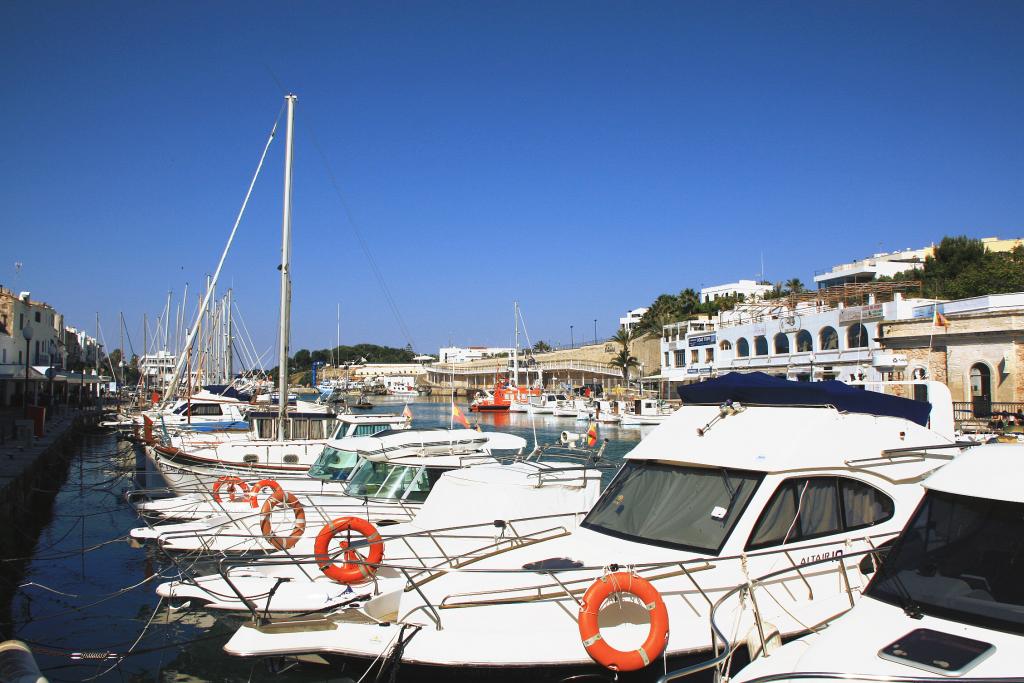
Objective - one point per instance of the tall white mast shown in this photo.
(286, 241)
(515, 351)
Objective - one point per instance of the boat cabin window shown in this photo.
(812, 507)
(369, 430)
(959, 559)
(265, 428)
(333, 464)
(394, 481)
(199, 409)
(673, 506)
(299, 429)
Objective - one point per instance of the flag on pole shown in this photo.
(592, 435)
(939, 320)
(407, 413)
(477, 427)
(459, 417)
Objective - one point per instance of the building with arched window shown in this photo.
(976, 347)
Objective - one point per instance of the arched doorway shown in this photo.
(981, 390)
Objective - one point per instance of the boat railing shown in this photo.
(747, 590)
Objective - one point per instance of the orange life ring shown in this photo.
(258, 488)
(232, 483)
(282, 497)
(350, 572)
(598, 649)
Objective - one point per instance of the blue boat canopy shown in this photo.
(757, 388)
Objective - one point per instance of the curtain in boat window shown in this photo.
(819, 508)
(300, 429)
(316, 429)
(863, 505)
(778, 518)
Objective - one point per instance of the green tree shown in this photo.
(624, 361)
(541, 346)
(794, 286)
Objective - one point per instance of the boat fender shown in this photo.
(355, 569)
(258, 488)
(233, 484)
(281, 497)
(590, 631)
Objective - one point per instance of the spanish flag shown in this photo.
(457, 416)
(592, 435)
(939, 320)
(407, 413)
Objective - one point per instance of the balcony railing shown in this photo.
(988, 411)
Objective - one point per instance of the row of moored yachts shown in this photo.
(765, 530)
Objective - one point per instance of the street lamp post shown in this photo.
(572, 340)
(26, 332)
(810, 357)
(595, 330)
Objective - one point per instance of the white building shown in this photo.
(815, 339)
(632, 318)
(875, 266)
(749, 289)
(157, 368)
(464, 354)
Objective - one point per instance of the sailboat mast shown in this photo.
(286, 241)
(515, 351)
(230, 341)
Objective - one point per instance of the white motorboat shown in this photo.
(545, 403)
(194, 482)
(608, 412)
(392, 473)
(716, 495)
(570, 407)
(481, 510)
(646, 411)
(947, 602)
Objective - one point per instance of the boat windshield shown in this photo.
(674, 506)
(959, 559)
(388, 480)
(333, 464)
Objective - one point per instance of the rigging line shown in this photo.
(392, 304)
(173, 387)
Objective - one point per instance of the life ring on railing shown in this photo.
(598, 649)
(353, 570)
(258, 488)
(233, 484)
(282, 497)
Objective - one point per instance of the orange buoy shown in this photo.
(598, 649)
(234, 484)
(282, 497)
(258, 487)
(353, 570)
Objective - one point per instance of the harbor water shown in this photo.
(86, 603)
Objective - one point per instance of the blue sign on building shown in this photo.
(703, 340)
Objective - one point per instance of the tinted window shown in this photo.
(812, 507)
(673, 506)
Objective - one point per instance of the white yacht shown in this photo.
(717, 494)
(483, 510)
(197, 485)
(946, 602)
(392, 473)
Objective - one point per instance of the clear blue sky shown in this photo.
(581, 157)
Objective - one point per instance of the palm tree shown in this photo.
(689, 300)
(541, 347)
(794, 286)
(624, 337)
(624, 361)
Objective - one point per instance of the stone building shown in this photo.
(976, 347)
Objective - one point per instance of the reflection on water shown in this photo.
(72, 602)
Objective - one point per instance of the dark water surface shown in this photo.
(72, 603)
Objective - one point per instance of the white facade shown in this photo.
(748, 288)
(464, 354)
(19, 312)
(632, 318)
(877, 265)
(810, 341)
(158, 368)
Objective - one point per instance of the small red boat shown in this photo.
(500, 399)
